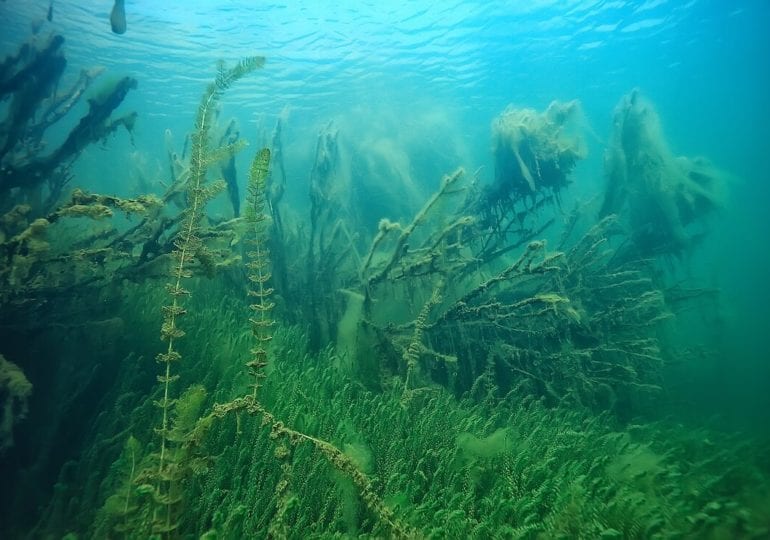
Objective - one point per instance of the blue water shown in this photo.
(702, 63)
(413, 88)
(417, 79)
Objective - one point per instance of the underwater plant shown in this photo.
(15, 389)
(664, 199)
(489, 380)
(188, 245)
(258, 265)
(34, 178)
(259, 275)
(29, 80)
(575, 324)
(535, 151)
(159, 477)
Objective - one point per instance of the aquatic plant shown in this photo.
(14, 395)
(258, 265)
(464, 467)
(259, 276)
(188, 245)
(183, 430)
(445, 466)
(548, 321)
(29, 80)
(35, 177)
(486, 383)
(328, 243)
(34, 269)
(663, 198)
(535, 152)
(415, 348)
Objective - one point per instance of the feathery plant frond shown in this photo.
(261, 324)
(227, 76)
(259, 267)
(412, 352)
(187, 245)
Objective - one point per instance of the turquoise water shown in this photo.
(427, 79)
(377, 67)
(413, 89)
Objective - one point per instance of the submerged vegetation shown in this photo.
(492, 367)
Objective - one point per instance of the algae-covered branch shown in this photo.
(31, 172)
